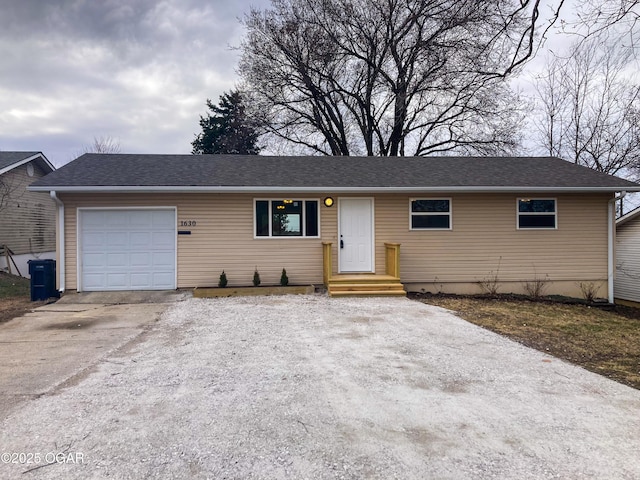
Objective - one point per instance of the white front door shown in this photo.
(355, 247)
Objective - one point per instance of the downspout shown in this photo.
(610, 243)
(61, 269)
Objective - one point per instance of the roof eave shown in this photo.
(27, 160)
(327, 189)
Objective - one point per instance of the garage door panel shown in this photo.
(127, 249)
(163, 279)
(140, 239)
(93, 260)
(117, 239)
(140, 280)
(140, 259)
(116, 218)
(162, 221)
(162, 239)
(163, 259)
(116, 260)
(93, 241)
(117, 281)
(93, 280)
(141, 220)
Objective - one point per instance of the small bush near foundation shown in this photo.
(536, 287)
(589, 290)
(256, 278)
(490, 284)
(284, 280)
(223, 280)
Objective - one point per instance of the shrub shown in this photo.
(284, 280)
(589, 290)
(256, 278)
(223, 280)
(536, 287)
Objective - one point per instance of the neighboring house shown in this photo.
(177, 221)
(627, 281)
(27, 219)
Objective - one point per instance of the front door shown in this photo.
(355, 248)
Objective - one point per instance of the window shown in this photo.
(431, 214)
(286, 218)
(537, 213)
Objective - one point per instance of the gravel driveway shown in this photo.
(310, 387)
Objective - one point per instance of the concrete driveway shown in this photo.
(55, 344)
(311, 387)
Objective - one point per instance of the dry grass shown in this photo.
(605, 341)
(15, 297)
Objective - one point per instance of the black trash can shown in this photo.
(43, 279)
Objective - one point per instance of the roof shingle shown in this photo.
(167, 172)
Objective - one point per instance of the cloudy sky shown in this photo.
(138, 71)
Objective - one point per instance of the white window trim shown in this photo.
(518, 213)
(289, 237)
(450, 213)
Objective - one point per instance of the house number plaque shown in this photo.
(188, 223)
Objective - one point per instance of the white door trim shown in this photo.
(79, 210)
(372, 232)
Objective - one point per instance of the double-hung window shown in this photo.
(431, 214)
(540, 213)
(286, 218)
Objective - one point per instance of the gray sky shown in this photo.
(139, 71)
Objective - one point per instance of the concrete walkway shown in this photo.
(308, 387)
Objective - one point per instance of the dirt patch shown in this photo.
(15, 297)
(603, 339)
(11, 308)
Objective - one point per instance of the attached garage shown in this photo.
(127, 249)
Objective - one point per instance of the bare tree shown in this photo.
(103, 144)
(7, 192)
(619, 18)
(389, 77)
(590, 108)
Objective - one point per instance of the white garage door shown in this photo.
(127, 249)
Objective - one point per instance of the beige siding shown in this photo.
(222, 239)
(27, 221)
(484, 239)
(627, 281)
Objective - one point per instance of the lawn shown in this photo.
(15, 297)
(605, 340)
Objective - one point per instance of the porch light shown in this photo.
(328, 202)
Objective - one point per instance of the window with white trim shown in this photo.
(431, 214)
(287, 218)
(537, 213)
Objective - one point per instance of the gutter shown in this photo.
(61, 239)
(611, 213)
(324, 189)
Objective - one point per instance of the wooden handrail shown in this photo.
(392, 259)
(327, 263)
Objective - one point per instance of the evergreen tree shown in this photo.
(226, 128)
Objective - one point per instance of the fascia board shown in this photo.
(260, 189)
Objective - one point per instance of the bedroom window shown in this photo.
(286, 218)
(538, 213)
(431, 214)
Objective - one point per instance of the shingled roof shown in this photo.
(130, 173)
(11, 160)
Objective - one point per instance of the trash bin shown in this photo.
(43, 279)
